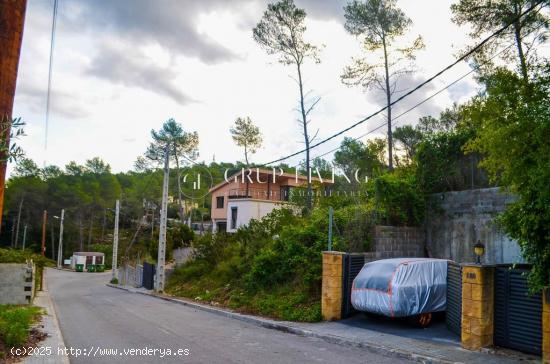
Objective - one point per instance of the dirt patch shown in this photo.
(35, 337)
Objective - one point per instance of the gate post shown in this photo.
(331, 290)
(477, 306)
(546, 326)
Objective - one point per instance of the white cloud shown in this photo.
(122, 70)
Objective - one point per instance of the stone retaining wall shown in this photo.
(455, 221)
(16, 283)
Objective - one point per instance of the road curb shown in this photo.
(284, 327)
(58, 340)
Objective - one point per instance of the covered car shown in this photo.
(401, 287)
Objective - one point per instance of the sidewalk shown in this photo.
(50, 326)
(356, 332)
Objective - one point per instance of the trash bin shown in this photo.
(100, 268)
(79, 267)
(91, 268)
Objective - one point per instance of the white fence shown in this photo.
(131, 276)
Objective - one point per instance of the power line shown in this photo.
(419, 86)
(427, 98)
(432, 95)
(403, 113)
(48, 95)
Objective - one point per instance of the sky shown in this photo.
(122, 68)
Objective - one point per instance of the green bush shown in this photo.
(399, 198)
(353, 228)
(192, 270)
(441, 164)
(106, 249)
(290, 305)
(512, 123)
(15, 322)
(181, 236)
(20, 256)
(271, 267)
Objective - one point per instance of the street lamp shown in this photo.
(479, 250)
(60, 246)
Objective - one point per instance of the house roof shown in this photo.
(266, 172)
(89, 254)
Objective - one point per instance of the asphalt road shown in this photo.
(95, 318)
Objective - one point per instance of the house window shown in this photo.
(233, 217)
(219, 202)
(285, 193)
(222, 226)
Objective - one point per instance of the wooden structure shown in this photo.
(12, 19)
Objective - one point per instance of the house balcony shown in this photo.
(253, 193)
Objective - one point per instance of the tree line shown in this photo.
(496, 138)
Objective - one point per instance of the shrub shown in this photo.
(209, 247)
(107, 249)
(15, 322)
(190, 271)
(441, 163)
(353, 228)
(181, 236)
(399, 199)
(20, 256)
(271, 267)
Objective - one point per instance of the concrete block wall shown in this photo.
(396, 242)
(16, 283)
(388, 242)
(456, 220)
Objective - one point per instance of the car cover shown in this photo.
(401, 287)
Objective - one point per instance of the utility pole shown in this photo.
(115, 241)
(103, 225)
(60, 247)
(44, 221)
(162, 228)
(330, 214)
(24, 236)
(12, 19)
(52, 240)
(12, 231)
(152, 224)
(18, 221)
(43, 246)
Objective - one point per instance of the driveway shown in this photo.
(103, 325)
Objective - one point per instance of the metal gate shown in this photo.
(518, 316)
(351, 266)
(454, 298)
(148, 275)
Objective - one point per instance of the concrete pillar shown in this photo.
(331, 292)
(477, 306)
(546, 326)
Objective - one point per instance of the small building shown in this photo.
(252, 194)
(88, 260)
